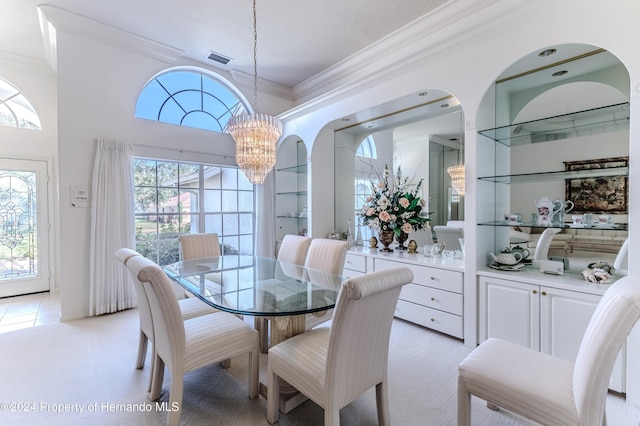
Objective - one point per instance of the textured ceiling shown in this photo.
(297, 39)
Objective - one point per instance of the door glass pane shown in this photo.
(18, 230)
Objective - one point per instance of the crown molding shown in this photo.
(54, 19)
(453, 27)
(23, 62)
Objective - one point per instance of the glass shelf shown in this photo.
(596, 120)
(615, 226)
(300, 168)
(292, 217)
(292, 193)
(558, 175)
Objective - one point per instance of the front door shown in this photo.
(24, 227)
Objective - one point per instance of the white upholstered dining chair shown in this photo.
(550, 390)
(189, 308)
(450, 236)
(621, 260)
(334, 365)
(544, 244)
(193, 246)
(293, 251)
(328, 256)
(186, 345)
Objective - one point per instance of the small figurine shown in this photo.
(412, 246)
(373, 242)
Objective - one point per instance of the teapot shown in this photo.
(523, 251)
(560, 208)
(547, 209)
(507, 258)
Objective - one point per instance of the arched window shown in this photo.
(15, 109)
(367, 148)
(188, 97)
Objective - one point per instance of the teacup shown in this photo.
(603, 219)
(515, 217)
(436, 249)
(577, 219)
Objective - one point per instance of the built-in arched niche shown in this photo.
(291, 187)
(421, 133)
(562, 108)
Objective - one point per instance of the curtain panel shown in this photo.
(112, 227)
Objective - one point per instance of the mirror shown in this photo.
(570, 114)
(421, 134)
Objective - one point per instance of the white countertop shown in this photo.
(450, 263)
(532, 275)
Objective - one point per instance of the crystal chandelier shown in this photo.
(457, 172)
(256, 135)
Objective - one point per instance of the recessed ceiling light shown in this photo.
(547, 52)
(559, 73)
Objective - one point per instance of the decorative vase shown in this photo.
(401, 238)
(386, 238)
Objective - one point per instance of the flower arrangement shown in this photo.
(392, 205)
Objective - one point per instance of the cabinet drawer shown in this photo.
(349, 273)
(433, 298)
(355, 262)
(431, 318)
(432, 277)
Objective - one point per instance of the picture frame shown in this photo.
(600, 194)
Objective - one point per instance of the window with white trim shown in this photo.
(173, 198)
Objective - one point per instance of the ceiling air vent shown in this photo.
(216, 57)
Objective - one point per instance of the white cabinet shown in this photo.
(354, 266)
(434, 298)
(542, 318)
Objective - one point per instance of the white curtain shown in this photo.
(112, 227)
(265, 238)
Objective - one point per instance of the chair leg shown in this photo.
(254, 372)
(142, 350)
(273, 396)
(157, 376)
(332, 415)
(464, 403)
(175, 398)
(153, 364)
(382, 403)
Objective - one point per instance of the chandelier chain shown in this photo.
(255, 58)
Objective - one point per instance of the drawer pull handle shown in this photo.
(348, 261)
(535, 292)
(433, 278)
(433, 320)
(544, 293)
(433, 299)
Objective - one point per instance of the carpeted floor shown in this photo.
(82, 373)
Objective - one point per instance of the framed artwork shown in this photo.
(603, 194)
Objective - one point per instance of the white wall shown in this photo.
(98, 84)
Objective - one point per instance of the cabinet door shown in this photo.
(564, 317)
(511, 311)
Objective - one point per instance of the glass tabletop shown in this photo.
(258, 286)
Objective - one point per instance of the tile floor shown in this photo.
(29, 311)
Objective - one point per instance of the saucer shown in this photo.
(605, 225)
(501, 267)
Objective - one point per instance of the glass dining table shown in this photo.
(259, 286)
(283, 293)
